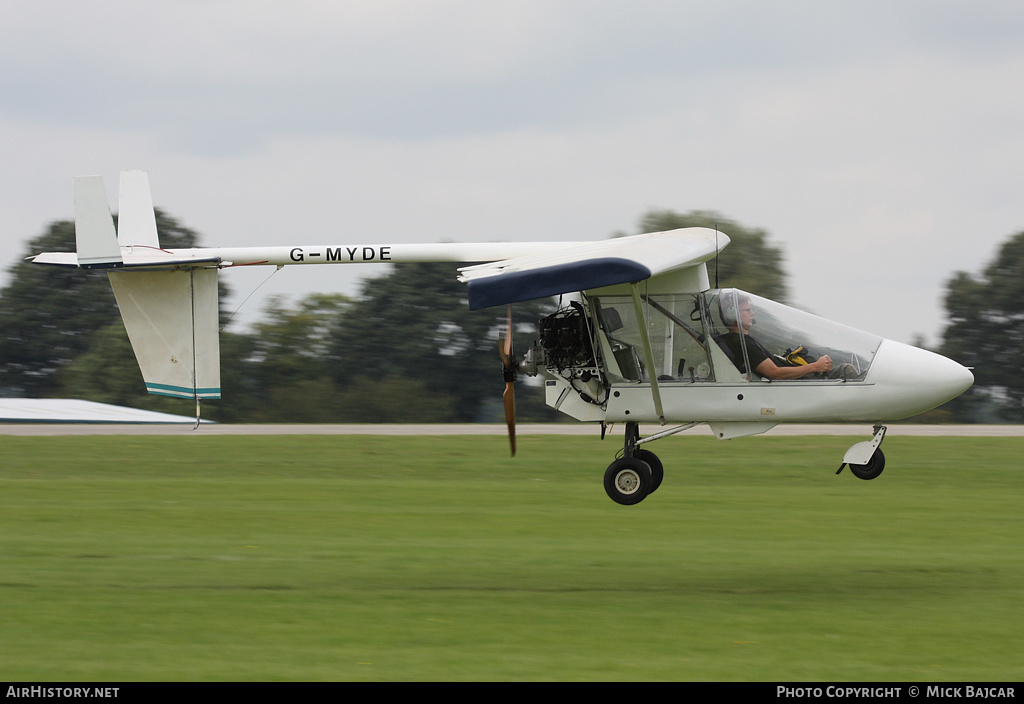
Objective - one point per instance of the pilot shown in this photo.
(760, 359)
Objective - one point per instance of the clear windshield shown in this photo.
(698, 338)
(790, 336)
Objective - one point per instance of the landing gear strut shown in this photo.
(638, 473)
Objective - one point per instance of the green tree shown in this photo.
(49, 315)
(237, 381)
(288, 368)
(106, 372)
(331, 359)
(986, 332)
(750, 262)
(413, 328)
(294, 343)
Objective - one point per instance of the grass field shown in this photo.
(439, 558)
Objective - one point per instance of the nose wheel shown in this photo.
(865, 459)
(870, 470)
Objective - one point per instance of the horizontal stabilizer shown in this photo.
(95, 238)
(134, 245)
(135, 258)
(172, 322)
(590, 265)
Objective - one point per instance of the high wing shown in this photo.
(591, 265)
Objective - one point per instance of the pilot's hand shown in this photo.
(826, 363)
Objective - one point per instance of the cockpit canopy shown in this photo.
(713, 336)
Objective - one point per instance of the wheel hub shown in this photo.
(627, 481)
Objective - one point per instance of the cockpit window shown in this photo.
(719, 335)
(675, 327)
(749, 329)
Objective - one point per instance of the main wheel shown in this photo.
(872, 469)
(657, 469)
(628, 481)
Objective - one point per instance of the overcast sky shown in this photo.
(880, 144)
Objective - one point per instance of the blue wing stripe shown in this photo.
(516, 286)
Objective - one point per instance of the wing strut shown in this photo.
(648, 352)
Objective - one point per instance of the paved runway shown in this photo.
(479, 429)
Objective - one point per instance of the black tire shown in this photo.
(657, 469)
(628, 481)
(870, 470)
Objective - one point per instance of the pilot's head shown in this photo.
(732, 301)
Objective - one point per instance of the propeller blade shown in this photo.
(505, 348)
(510, 414)
(508, 364)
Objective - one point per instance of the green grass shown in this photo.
(439, 558)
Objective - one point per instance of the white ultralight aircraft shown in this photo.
(645, 338)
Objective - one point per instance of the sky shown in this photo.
(879, 144)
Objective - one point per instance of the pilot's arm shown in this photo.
(770, 370)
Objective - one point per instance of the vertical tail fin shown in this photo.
(136, 222)
(95, 239)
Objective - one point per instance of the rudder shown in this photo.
(173, 324)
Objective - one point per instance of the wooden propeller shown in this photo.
(508, 364)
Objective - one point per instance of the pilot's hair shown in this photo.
(727, 302)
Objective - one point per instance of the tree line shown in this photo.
(406, 348)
